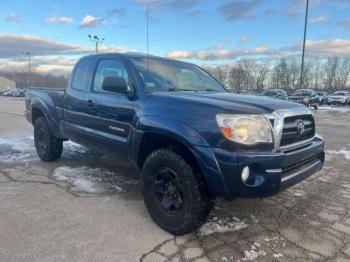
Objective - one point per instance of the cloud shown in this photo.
(156, 6)
(14, 45)
(194, 15)
(345, 23)
(246, 39)
(319, 20)
(91, 21)
(322, 48)
(51, 64)
(146, 1)
(117, 12)
(325, 47)
(219, 53)
(181, 5)
(60, 20)
(49, 56)
(238, 10)
(296, 8)
(14, 18)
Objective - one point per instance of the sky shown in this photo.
(199, 31)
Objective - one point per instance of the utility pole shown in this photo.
(97, 40)
(303, 55)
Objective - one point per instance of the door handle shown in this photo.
(90, 103)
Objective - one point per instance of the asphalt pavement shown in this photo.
(88, 207)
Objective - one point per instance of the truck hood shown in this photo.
(232, 102)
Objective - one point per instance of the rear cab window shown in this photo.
(81, 79)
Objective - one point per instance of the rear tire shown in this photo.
(174, 194)
(48, 147)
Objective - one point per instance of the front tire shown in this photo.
(174, 194)
(48, 147)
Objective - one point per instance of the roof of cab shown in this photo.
(131, 55)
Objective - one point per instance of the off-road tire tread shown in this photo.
(55, 145)
(201, 202)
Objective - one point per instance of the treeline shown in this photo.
(25, 79)
(328, 74)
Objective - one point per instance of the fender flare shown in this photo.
(53, 122)
(190, 138)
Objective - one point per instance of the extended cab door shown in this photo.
(75, 103)
(111, 114)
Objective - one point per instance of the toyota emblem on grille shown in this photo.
(300, 128)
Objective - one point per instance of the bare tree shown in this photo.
(329, 71)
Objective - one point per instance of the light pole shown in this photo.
(97, 40)
(303, 55)
(29, 55)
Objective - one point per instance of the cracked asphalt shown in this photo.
(87, 207)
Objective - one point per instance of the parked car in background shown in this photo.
(341, 97)
(14, 93)
(276, 93)
(7, 93)
(307, 97)
(22, 92)
(324, 98)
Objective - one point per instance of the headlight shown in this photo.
(245, 129)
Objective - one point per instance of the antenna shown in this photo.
(147, 17)
(147, 34)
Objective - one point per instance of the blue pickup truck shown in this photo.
(192, 139)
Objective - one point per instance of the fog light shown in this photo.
(245, 174)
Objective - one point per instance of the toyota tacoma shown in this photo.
(193, 140)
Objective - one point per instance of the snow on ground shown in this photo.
(22, 149)
(344, 152)
(92, 180)
(335, 109)
(17, 150)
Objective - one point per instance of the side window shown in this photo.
(82, 76)
(108, 68)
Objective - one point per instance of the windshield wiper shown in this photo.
(179, 89)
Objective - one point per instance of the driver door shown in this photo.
(110, 114)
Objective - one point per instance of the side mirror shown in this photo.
(115, 84)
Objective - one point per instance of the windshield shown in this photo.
(270, 93)
(302, 93)
(340, 93)
(166, 75)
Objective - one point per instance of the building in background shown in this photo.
(7, 84)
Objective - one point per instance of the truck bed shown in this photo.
(52, 96)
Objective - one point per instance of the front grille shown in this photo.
(290, 133)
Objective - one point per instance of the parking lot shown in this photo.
(88, 207)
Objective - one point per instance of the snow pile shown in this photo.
(91, 180)
(226, 225)
(344, 152)
(254, 253)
